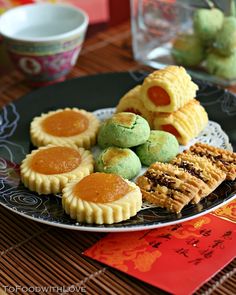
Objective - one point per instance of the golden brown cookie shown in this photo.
(223, 159)
(168, 187)
(190, 178)
(48, 169)
(202, 169)
(185, 123)
(168, 89)
(131, 102)
(101, 198)
(65, 126)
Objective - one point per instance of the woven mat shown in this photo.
(33, 254)
(36, 255)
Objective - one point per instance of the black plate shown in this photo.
(91, 93)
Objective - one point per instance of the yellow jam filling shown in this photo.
(171, 129)
(101, 188)
(158, 96)
(65, 123)
(55, 160)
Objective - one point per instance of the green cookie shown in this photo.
(222, 66)
(226, 38)
(124, 130)
(187, 50)
(121, 161)
(102, 139)
(161, 146)
(207, 23)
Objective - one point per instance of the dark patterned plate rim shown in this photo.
(14, 138)
(122, 228)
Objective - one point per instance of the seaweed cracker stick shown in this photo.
(207, 23)
(168, 89)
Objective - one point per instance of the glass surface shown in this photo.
(155, 26)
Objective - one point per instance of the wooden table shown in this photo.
(34, 254)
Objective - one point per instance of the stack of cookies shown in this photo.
(166, 99)
(62, 164)
(127, 141)
(188, 178)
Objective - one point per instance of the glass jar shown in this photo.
(156, 24)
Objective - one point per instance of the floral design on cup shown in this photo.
(29, 65)
(46, 67)
(44, 46)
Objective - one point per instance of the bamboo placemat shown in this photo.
(38, 259)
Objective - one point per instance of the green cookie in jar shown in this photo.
(188, 50)
(225, 43)
(207, 23)
(222, 66)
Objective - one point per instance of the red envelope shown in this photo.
(178, 258)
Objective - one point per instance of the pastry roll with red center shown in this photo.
(168, 89)
(185, 124)
(132, 103)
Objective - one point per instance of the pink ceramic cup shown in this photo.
(44, 40)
